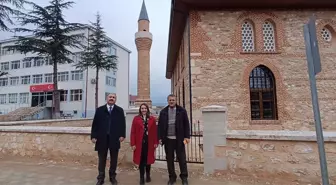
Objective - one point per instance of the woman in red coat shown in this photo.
(144, 141)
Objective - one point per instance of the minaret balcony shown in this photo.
(143, 34)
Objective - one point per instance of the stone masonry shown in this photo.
(220, 69)
(71, 144)
(264, 154)
(143, 41)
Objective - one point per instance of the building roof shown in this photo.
(180, 10)
(143, 13)
(86, 26)
(132, 97)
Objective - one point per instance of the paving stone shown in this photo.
(25, 173)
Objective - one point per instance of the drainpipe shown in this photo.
(86, 80)
(189, 67)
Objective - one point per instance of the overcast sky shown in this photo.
(119, 18)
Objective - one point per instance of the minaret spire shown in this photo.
(143, 13)
(143, 42)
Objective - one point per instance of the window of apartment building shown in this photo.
(76, 95)
(8, 52)
(77, 75)
(26, 64)
(78, 57)
(38, 62)
(48, 78)
(14, 80)
(64, 95)
(48, 61)
(25, 80)
(3, 98)
(37, 79)
(63, 76)
(262, 94)
(4, 66)
(114, 82)
(108, 81)
(15, 64)
(24, 98)
(106, 94)
(112, 51)
(12, 98)
(3, 82)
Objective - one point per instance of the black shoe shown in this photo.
(148, 178)
(142, 181)
(100, 182)
(114, 181)
(184, 182)
(171, 182)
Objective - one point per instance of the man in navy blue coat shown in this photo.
(107, 132)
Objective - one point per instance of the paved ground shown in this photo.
(43, 173)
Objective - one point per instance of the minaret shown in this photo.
(143, 41)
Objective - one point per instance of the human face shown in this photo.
(171, 101)
(111, 99)
(143, 110)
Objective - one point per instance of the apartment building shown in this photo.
(29, 82)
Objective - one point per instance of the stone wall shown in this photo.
(220, 69)
(279, 155)
(295, 161)
(59, 140)
(55, 122)
(71, 144)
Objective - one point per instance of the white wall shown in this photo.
(123, 78)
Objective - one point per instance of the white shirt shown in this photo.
(108, 107)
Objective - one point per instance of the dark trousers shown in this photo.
(143, 161)
(143, 168)
(171, 147)
(102, 156)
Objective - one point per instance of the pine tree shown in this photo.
(95, 55)
(6, 11)
(52, 38)
(2, 73)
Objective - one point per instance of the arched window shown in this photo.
(262, 94)
(247, 36)
(269, 36)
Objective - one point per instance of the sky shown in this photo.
(120, 20)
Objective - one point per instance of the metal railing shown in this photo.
(194, 149)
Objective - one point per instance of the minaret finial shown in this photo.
(143, 13)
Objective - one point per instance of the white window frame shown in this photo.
(25, 80)
(26, 64)
(76, 95)
(3, 82)
(24, 98)
(48, 78)
(4, 66)
(38, 62)
(63, 76)
(64, 93)
(13, 81)
(3, 98)
(12, 98)
(77, 75)
(37, 79)
(15, 64)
